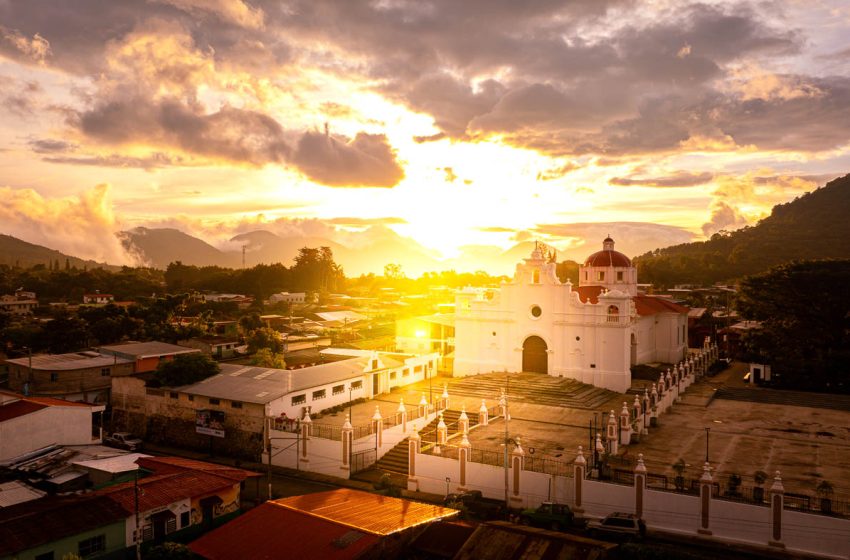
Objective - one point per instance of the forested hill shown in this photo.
(814, 226)
(19, 253)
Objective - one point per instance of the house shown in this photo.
(341, 524)
(286, 297)
(499, 540)
(431, 333)
(31, 423)
(146, 356)
(21, 303)
(593, 333)
(56, 527)
(242, 397)
(218, 347)
(76, 376)
(98, 299)
(177, 495)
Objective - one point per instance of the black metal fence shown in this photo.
(362, 460)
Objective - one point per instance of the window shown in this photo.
(620, 276)
(405, 372)
(535, 277)
(299, 399)
(235, 404)
(600, 276)
(338, 389)
(184, 519)
(147, 532)
(536, 311)
(214, 401)
(154, 392)
(613, 314)
(190, 397)
(392, 375)
(356, 385)
(418, 369)
(170, 525)
(104, 372)
(45, 556)
(586, 273)
(173, 394)
(319, 394)
(374, 364)
(54, 377)
(90, 547)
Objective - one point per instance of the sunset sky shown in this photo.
(454, 123)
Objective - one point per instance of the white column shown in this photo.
(483, 415)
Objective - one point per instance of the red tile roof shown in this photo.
(651, 305)
(271, 531)
(27, 525)
(608, 258)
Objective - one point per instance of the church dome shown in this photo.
(608, 256)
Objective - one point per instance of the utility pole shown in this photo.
(507, 439)
(138, 532)
(707, 431)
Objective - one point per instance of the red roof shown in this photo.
(30, 524)
(19, 408)
(589, 293)
(272, 531)
(608, 258)
(165, 465)
(27, 405)
(163, 489)
(650, 305)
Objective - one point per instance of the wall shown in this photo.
(60, 425)
(115, 544)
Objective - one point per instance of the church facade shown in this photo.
(593, 332)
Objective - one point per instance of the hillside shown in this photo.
(814, 226)
(160, 246)
(16, 252)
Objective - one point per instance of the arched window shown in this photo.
(535, 277)
(613, 314)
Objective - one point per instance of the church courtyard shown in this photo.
(552, 416)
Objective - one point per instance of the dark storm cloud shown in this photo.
(678, 179)
(366, 161)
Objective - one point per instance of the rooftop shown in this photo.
(147, 349)
(366, 512)
(14, 405)
(68, 362)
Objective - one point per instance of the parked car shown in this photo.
(123, 440)
(549, 515)
(618, 526)
(476, 504)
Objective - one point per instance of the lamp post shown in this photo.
(448, 481)
(138, 532)
(707, 431)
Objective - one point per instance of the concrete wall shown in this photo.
(71, 425)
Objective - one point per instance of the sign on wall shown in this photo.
(210, 423)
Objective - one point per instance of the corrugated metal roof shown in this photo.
(148, 349)
(68, 362)
(16, 492)
(164, 489)
(370, 513)
(116, 464)
(270, 532)
(239, 383)
(650, 305)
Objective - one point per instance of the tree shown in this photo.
(266, 358)
(265, 337)
(804, 309)
(185, 369)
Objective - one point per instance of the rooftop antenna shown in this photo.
(243, 255)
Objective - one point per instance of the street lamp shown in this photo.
(707, 431)
(448, 481)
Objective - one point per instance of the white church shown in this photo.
(592, 333)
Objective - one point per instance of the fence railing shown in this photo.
(362, 460)
(548, 466)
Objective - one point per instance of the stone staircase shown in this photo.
(532, 388)
(396, 459)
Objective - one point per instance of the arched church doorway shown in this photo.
(534, 356)
(634, 349)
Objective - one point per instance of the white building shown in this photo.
(30, 423)
(287, 297)
(593, 333)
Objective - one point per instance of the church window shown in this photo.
(620, 276)
(536, 311)
(600, 276)
(586, 274)
(613, 314)
(535, 277)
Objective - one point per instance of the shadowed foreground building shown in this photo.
(338, 524)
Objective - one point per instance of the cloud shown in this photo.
(358, 222)
(36, 49)
(723, 217)
(678, 179)
(155, 160)
(232, 11)
(496, 229)
(81, 226)
(49, 146)
(366, 161)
